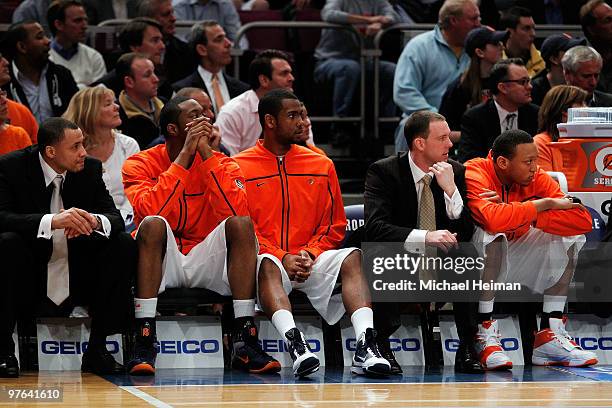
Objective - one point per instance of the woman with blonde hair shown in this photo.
(552, 112)
(95, 111)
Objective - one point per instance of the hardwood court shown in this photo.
(523, 387)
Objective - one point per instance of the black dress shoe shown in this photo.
(9, 367)
(466, 360)
(386, 352)
(101, 362)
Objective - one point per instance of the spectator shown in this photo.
(519, 22)
(431, 61)
(211, 47)
(510, 108)
(552, 112)
(521, 214)
(201, 97)
(36, 82)
(338, 58)
(142, 35)
(221, 11)
(211, 243)
(102, 10)
(53, 259)
(484, 46)
(11, 137)
(305, 255)
(177, 63)
(238, 120)
(96, 113)
(68, 24)
(139, 107)
(596, 21)
(32, 10)
(18, 115)
(552, 50)
(581, 67)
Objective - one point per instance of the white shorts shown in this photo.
(319, 285)
(205, 266)
(537, 259)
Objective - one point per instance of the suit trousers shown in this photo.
(102, 272)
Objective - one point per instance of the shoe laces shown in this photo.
(298, 343)
(370, 343)
(564, 338)
(489, 338)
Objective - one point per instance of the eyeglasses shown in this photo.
(522, 81)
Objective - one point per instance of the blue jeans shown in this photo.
(345, 74)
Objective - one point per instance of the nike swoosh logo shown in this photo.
(261, 184)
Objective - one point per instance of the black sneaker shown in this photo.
(367, 359)
(9, 367)
(305, 362)
(248, 355)
(145, 354)
(385, 351)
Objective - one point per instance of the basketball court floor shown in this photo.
(417, 387)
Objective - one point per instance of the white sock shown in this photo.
(362, 319)
(244, 308)
(283, 321)
(486, 306)
(554, 303)
(145, 308)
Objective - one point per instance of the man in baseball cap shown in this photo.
(552, 50)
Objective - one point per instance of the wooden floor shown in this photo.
(82, 390)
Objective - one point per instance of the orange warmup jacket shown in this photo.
(294, 200)
(517, 213)
(193, 201)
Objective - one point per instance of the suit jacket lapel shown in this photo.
(408, 194)
(41, 196)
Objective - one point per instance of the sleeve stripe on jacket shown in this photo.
(222, 192)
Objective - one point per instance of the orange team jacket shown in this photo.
(516, 213)
(193, 201)
(294, 200)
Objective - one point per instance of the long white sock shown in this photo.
(145, 308)
(283, 322)
(362, 319)
(486, 306)
(244, 308)
(554, 303)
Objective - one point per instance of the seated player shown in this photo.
(296, 205)
(193, 231)
(531, 233)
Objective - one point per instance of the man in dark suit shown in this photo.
(212, 49)
(510, 108)
(62, 243)
(582, 67)
(395, 191)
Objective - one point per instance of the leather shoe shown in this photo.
(466, 360)
(101, 362)
(387, 353)
(9, 367)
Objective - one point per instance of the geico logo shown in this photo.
(352, 225)
(278, 346)
(407, 344)
(206, 346)
(508, 344)
(72, 347)
(593, 343)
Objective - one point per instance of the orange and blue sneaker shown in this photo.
(248, 354)
(145, 352)
(488, 346)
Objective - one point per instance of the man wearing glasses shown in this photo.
(509, 109)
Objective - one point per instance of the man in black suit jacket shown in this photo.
(510, 108)
(212, 49)
(100, 255)
(393, 192)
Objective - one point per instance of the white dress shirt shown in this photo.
(44, 228)
(207, 78)
(239, 123)
(502, 113)
(415, 242)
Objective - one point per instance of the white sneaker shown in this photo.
(367, 359)
(305, 362)
(554, 346)
(489, 349)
